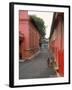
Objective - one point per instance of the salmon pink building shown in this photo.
(28, 36)
(56, 42)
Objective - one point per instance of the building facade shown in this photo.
(28, 37)
(56, 42)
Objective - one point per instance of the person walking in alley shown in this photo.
(40, 42)
(50, 58)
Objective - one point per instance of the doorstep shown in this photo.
(22, 60)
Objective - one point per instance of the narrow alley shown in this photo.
(37, 67)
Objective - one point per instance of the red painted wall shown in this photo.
(57, 43)
(34, 37)
(24, 27)
(30, 45)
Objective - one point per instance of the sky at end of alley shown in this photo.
(47, 18)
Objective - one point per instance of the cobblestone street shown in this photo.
(36, 67)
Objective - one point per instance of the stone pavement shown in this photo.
(36, 67)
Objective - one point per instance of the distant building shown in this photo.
(56, 41)
(28, 36)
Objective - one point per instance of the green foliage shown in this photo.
(40, 24)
